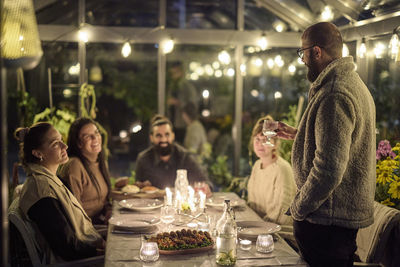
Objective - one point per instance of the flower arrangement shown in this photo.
(388, 174)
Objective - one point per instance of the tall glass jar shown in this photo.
(226, 235)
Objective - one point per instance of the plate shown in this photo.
(134, 224)
(185, 251)
(251, 229)
(140, 204)
(218, 202)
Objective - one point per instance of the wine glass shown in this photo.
(167, 215)
(269, 130)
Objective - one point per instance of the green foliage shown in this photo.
(27, 108)
(60, 119)
(218, 171)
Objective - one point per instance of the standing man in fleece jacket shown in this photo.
(333, 154)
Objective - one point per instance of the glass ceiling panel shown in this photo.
(201, 14)
(58, 12)
(133, 13)
(259, 18)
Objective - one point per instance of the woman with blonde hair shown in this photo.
(271, 187)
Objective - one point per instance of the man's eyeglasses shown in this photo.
(300, 51)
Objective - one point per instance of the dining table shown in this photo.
(123, 247)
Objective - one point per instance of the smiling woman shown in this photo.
(56, 213)
(86, 173)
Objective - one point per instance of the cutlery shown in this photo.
(256, 258)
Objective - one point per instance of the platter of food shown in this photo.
(183, 241)
(124, 190)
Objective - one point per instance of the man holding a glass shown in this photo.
(333, 154)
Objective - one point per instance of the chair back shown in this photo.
(27, 232)
(380, 242)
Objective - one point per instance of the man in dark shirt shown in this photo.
(159, 163)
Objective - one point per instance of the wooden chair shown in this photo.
(379, 243)
(37, 256)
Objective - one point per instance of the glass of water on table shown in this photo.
(167, 216)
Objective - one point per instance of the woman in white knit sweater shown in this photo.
(271, 186)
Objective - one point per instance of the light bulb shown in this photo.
(345, 51)
(224, 57)
(327, 14)
(362, 50)
(263, 42)
(126, 49)
(394, 46)
(83, 36)
(167, 46)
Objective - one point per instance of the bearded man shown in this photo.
(333, 154)
(159, 163)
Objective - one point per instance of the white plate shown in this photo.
(218, 202)
(140, 204)
(144, 224)
(251, 229)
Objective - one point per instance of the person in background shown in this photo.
(86, 173)
(47, 202)
(271, 186)
(195, 137)
(180, 92)
(333, 154)
(159, 163)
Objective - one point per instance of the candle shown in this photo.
(245, 244)
(169, 196)
(149, 251)
(265, 243)
(202, 203)
(178, 200)
(191, 193)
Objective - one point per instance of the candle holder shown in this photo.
(265, 243)
(245, 244)
(149, 251)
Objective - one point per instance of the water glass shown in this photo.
(167, 215)
(149, 251)
(265, 243)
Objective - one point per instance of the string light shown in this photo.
(394, 44)
(263, 42)
(362, 50)
(167, 46)
(345, 51)
(327, 14)
(224, 57)
(126, 49)
(83, 36)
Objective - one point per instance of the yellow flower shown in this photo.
(387, 202)
(394, 189)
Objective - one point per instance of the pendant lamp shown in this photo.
(20, 42)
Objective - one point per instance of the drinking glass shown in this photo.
(167, 215)
(269, 130)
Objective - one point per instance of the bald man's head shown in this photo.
(325, 35)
